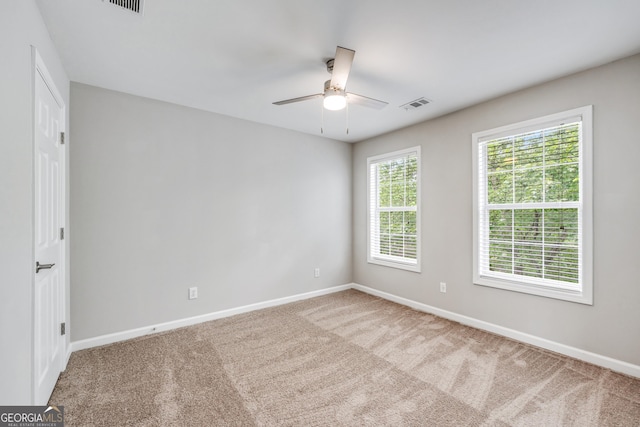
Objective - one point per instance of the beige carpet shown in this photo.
(342, 359)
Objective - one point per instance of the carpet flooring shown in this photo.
(344, 359)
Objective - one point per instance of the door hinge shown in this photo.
(63, 328)
(62, 138)
(62, 233)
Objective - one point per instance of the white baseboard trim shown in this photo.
(586, 356)
(167, 326)
(576, 353)
(67, 356)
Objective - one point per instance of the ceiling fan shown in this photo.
(335, 95)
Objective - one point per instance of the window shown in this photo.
(394, 214)
(532, 201)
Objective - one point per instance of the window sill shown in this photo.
(395, 264)
(580, 297)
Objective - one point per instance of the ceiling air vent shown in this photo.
(131, 5)
(420, 102)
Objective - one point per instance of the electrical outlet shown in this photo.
(443, 287)
(316, 272)
(193, 293)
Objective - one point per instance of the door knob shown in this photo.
(43, 266)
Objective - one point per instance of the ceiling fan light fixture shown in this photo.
(334, 100)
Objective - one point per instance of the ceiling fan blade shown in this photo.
(341, 67)
(302, 98)
(352, 98)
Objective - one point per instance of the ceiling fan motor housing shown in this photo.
(334, 98)
(329, 91)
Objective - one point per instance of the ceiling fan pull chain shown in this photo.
(347, 117)
(321, 119)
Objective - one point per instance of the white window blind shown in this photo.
(530, 219)
(394, 238)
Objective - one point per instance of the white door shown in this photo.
(48, 344)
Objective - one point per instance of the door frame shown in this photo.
(39, 68)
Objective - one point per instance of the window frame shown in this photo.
(372, 221)
(583, 291)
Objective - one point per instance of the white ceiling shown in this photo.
(236, 57)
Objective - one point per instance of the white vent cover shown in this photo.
(420, 102)
(131, 5)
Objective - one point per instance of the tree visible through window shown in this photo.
(533, 168)
(530, 218)
(393, 209)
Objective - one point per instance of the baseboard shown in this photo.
(67, 356)
(576, 353)
(596, 359)
(167, 326)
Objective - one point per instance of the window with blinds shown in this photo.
(532, 226)
(394, 217)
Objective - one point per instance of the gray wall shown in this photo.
(21, 27)
(610, 327)
(165, 197)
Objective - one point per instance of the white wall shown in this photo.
(21, 26)
(166, 197)
(611, 327)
